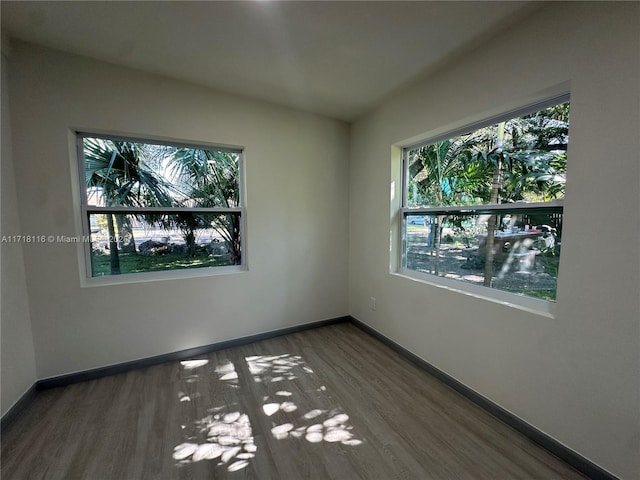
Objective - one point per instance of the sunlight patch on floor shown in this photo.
(228, 437)
(191, 364)
(227, 372)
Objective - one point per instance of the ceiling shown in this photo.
(339, 59)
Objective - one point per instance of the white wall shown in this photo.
(18, 361)
(296, 167)
(575, 376)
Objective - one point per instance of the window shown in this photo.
(153, 207)
(484, 205)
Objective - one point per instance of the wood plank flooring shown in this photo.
(328, 403)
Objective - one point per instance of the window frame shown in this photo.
(523, 302)
(87, 279)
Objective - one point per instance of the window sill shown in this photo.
(160, 276)
(512, 300)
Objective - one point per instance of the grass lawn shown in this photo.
(548, 294)
(137, 263)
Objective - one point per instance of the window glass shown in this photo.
(152, 207)
(504, 181)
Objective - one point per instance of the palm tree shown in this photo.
(496, 157)
(208, 178)
(119, 172)
(437, 174)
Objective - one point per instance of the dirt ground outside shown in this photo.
(527, 274)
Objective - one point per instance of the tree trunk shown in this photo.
(189, 236)
(493, 220)
(235, 250)
(488, 262)
(125, 233)
(113, 246)
(435, 238)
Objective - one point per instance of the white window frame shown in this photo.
(522, 302)
(88, 280)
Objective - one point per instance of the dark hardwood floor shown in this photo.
(328, 403)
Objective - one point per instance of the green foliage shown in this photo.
(119, 171)
(531, 158)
